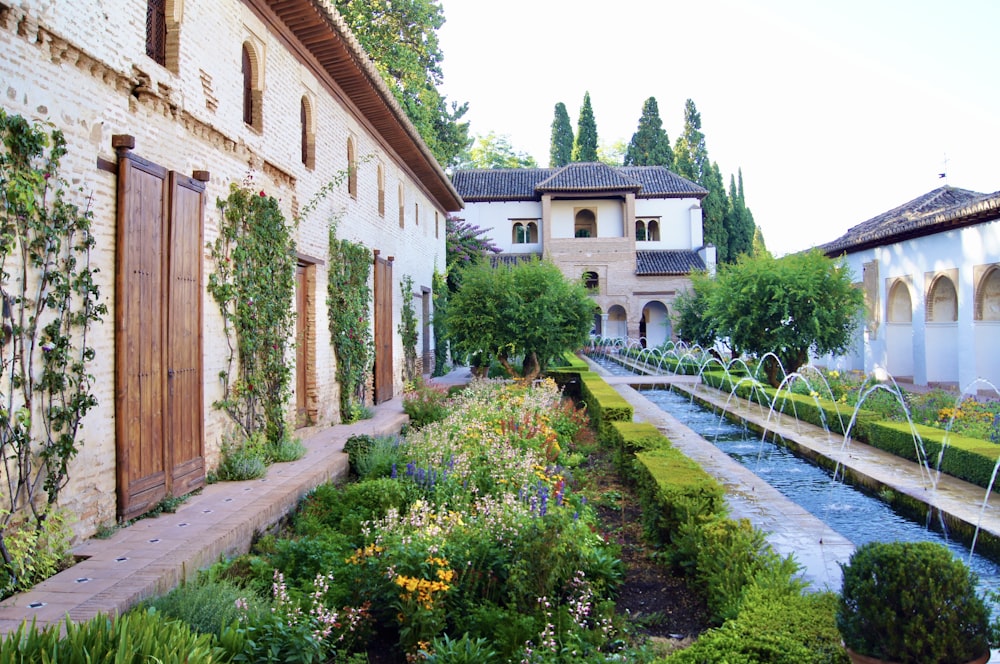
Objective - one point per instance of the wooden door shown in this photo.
(158, 371)
(184, 436)
(383, 329)
(139, 352)
(301, 362)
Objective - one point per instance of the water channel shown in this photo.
(854, 514)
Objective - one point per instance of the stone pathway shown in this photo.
(153, 555)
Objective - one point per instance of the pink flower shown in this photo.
(262, 194)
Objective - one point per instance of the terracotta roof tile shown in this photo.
(587, 176)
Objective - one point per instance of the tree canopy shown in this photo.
(561, 147)
(401, 38)
(786, 306)
(650, 145)
(529, 310)
(495, 151)
(585, 146)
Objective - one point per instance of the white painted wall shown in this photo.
(959, 352)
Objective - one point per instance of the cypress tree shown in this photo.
(650, 145)
(690, 154)
(713, 209)
(561, 147)
(585, 147)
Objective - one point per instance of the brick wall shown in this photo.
(83, 67)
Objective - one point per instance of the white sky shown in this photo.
(836, 110)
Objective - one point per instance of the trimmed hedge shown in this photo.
(673, 489)
(604, 405)
(969, 459)
(777, 628)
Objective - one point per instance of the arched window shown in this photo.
(532, 231)
(381, 190)
(653, 230)
(988, 295)
(585, 223)
(899, 304)
(591, 281)
(253, 114)
(942, 301)
(437, 223)
(308, 135)
(518, 235)
(352, 169)
(640, 230)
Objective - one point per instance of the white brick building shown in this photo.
(223, 90)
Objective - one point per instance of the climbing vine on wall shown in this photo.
(408, 330)
(254, 285)
(49, 302)
(440, 288)
(349, 301)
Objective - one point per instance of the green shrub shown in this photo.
(356, 446)
(138, 637)
(725, 558)
(425, 403)
(772, 628)
(330, 507)
(37, 550)
(380, 457)
(208, 607)
(604, 405)
(285, 450)
(465, 650)
(673, 490)
(911, 602)
(243, 461)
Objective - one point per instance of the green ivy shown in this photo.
(254, 286)
(349, 301)
(440, 288)
(48, 303)
(408, 330)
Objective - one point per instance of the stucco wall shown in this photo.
(955, 353)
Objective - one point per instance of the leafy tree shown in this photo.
(650, 145)
(585, 147)
(495, 151)
(691, 322)
(401, 38)
(561, 148)
(786, 306)
(612, 154)
(527, 310)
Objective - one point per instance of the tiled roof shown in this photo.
(527, 184)
(587, 176)
(499, 184)
(511, 259)
(935, 211)
(658, 182)
(661, 263)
